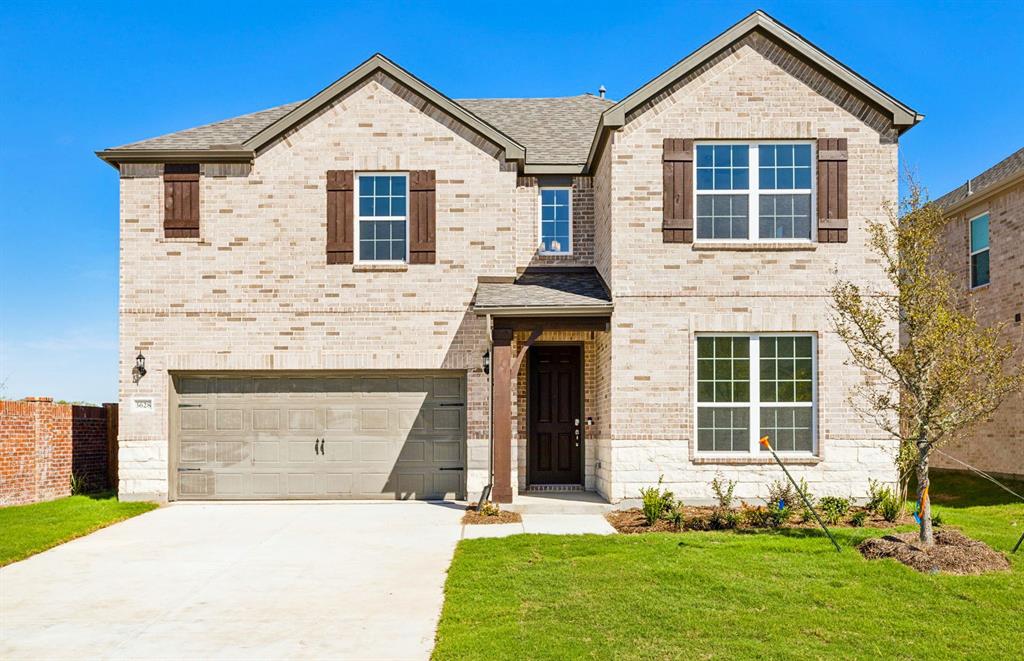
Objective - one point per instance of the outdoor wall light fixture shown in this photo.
(487, 362)
(139, 370)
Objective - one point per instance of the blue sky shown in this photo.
(77, 77)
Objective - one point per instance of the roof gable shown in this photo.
(902, 116)
(378, 63)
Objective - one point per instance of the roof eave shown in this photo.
(117, 156)
(989, 191)
(513, 150)
(546, 311)
(553, 168)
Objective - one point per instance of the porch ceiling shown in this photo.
(546, 292)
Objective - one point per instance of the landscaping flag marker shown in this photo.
(807, 504)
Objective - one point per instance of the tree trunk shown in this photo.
(925, 514)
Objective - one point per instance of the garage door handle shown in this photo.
(317, 449)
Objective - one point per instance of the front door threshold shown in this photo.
(554, 488)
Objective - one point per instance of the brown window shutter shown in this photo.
(833, 224)
(181, 201)
(677, 167)
(422, 217)
(340, 212)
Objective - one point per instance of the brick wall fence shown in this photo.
(42, 444)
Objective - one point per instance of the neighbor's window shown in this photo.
(555, 221)
(780, 194)
(382, 217)
(749, 386)
(979, 251)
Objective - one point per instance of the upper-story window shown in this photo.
(780, 195)
(749, 386)
(979, 251)
(382, 218)
(555, 221)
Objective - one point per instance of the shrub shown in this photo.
(723, 491)
(698, 523)
(657, 502)
(806, 514)
(766, 517)
(833, 509)
(876, 494)
(936, 520)
(723, 519)
(674, 514)
(858, 518)
(891, 507)
(781, 491)
(490, 509)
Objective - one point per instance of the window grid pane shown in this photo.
(723, 429)
(787, 366)
(788, 428)
(723, 167)
(785, 216)
(784, 167)
(979, 269)
(979, 233)
(723, 371)
(554, 216)
(722, 217)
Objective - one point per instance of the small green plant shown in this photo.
(936, 520)
(806, 514)
(78, 485)
(782, 494)
(891, 507)
(656, 502)
(876, 494)
(833, 509)
(723, 519)
(723, 489)
(858, 518)
(674, 514)
(490, 509)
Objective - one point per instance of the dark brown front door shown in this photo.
(555, 443)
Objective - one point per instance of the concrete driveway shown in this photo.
(296, 580)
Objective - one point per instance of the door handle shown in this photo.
(316, 446)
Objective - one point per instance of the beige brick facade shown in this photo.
(995, 445)
(255, 292)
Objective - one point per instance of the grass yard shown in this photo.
(784, 594)
(28, 529)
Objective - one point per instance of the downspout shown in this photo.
(486, 493)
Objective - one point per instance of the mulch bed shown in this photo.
(472, 517)
(952, 553)
(632, 521)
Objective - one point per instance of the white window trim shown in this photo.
(753, 190)
(755, 398)
(540, 221)
(359, 219)
(972, 252)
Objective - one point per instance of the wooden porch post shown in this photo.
(501, 399)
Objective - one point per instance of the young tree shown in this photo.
(933, 370)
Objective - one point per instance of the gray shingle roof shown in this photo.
(555, 130)
(232, 131)
(1005, 168)
(540, 288)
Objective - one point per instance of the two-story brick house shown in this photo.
(982, 249)
(384, 292)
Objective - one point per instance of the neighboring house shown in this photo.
(384, 292)
(983, 250)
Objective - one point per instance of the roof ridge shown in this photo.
(533, 98)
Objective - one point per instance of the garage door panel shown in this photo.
(386, 435)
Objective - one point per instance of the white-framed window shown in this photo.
(382, 217)
(755, 191)
(555, 225)
(754, 385)
(979, 251)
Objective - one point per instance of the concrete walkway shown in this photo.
(241, 581)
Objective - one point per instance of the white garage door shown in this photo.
(344, 435)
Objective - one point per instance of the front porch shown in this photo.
(549, 356)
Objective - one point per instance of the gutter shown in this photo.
(221, 155)
(547, 311)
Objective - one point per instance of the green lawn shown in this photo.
(28, 529)
(699, 595)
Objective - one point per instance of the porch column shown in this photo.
(501, 406)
